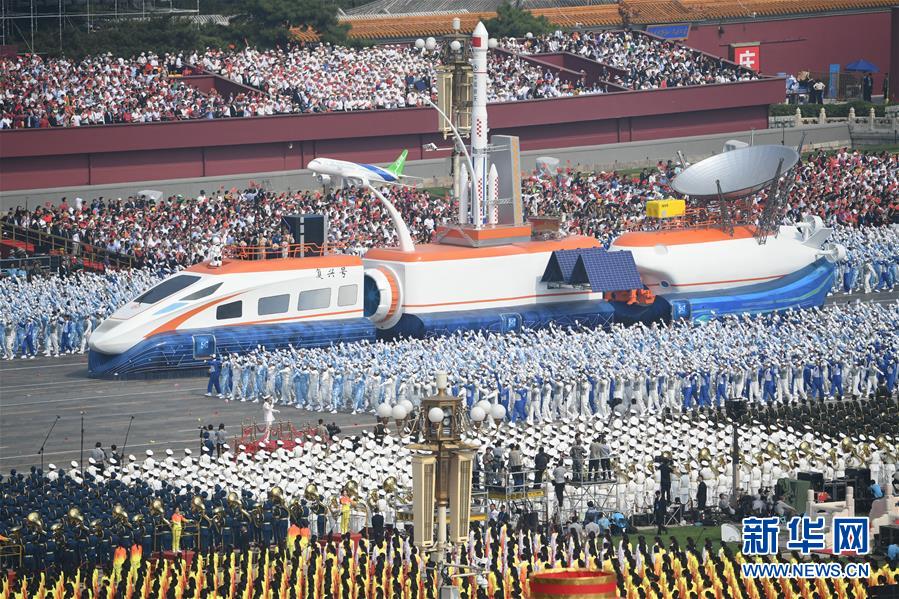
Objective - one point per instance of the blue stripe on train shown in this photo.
(805, 288)
(174, 351)
(595, 313)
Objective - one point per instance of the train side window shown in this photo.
(314, 299)
(201, 293)
(230, 310)
(167, 288)
(275, 304)
(346, 295)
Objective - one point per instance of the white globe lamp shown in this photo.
(435, 415)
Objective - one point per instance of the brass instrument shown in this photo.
(276, 495)
(234, 503)
(372, 500)
(806, 448)
(97, 527)
(158, 509)
(311, 493)
(138, 519)
(57, 529)
(75, 518)
(15, 535)
(705, 454)
(389, 485)
(34, 522)
(120, 515)
(257, 516)
(351, 488)
(197, 506)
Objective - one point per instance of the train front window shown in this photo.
(201, 293)
(167, 288)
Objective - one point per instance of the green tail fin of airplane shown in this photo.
(396, 167)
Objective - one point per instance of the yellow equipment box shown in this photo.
(667, 208)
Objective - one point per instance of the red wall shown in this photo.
(805, 44)
(141, 152)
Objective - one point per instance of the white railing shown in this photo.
(871, 122)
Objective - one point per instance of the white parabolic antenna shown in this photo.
(739, 172)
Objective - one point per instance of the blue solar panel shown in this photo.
(606, 271)
(561, 264)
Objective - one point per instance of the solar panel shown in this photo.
(606, 271)
(560, 265)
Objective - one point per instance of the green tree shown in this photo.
(268, 22)
(511, 21)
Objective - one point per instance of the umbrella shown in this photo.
(862, 65)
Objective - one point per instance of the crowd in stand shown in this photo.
(638, 61)
(848, 188)
(39, 92)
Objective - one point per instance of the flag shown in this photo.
(118, 560)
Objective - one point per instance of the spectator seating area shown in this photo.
(39, 92)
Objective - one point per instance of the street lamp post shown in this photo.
(441, 473)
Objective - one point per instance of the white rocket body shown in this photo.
(493, 197)
(479, 156)
(464, 194)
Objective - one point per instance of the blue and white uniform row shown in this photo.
(834, 352)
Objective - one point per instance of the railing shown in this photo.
(284, 250)
(871, 122)
(46, 243)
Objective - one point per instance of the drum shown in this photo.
(573, 584)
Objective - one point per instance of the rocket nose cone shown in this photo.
(480, 31)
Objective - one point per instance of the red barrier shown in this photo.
(207, 148)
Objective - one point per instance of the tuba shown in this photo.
(33, 521)
(97, 527)
(311, 493)
(233, 500)
(75, 518)
(120, 515)
(351, 488)
(276, 496)
(389, 485)
(806, 449)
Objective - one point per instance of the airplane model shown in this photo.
(341, 172)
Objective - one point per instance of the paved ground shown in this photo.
(166, 412)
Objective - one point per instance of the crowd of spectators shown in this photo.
(39, 92)
(846, 188)
(638, 61)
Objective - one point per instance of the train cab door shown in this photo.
(204, 346)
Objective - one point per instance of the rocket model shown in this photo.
(479, 154)
(493, 197)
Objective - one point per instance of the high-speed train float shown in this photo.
(496, 278)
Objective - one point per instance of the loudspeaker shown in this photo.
(424, 487)
(309, 230)
(836, 489)
(460, 496)
(860, 478)
(815, 479)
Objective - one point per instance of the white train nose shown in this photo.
(107, 340)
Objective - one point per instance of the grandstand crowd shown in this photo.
(41, 92)
(638, 61)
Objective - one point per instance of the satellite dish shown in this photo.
(741, 172)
